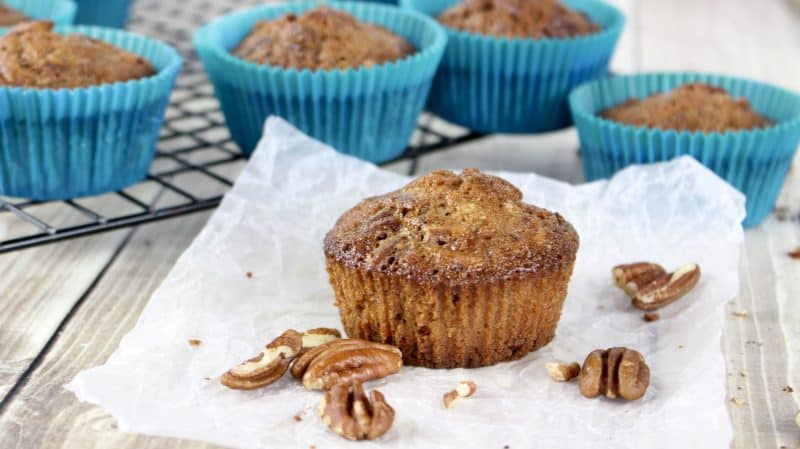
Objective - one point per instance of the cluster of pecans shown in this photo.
(323, 360)
(651, 287)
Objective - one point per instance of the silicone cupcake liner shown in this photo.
(506, 85)
(109, 13)
(65, 143)
(60, 12)
(366, 112)
(753, 161)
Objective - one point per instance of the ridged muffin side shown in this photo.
(455, 270)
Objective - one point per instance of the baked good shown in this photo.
(535, 19)
(321, 39)
(455, 270)
(10, 16)
(690, 107)
(32, 55)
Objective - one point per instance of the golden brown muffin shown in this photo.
(455, 270)
(321, 39)
(534, 19)
(10, 16)
(691, 107)
(32, 55)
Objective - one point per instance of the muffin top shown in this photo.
(321, 39)
(10, 16)
(690, 107)
(32, 55)
(453, 229)
(534, 19)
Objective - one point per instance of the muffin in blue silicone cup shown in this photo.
(368, 112)
(60, 12)
(108, 13)
(518, 85)
(58, 143)
(755, 161)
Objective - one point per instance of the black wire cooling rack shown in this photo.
(196, 162)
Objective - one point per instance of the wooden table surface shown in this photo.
(65, 307)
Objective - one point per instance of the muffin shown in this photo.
(455, 270)
(321, 39)
(10, 16)
(745, 131)
(82, 109)
(690, 107)
(510, 64)
(518, 19)
(32, 55)
(354, 75)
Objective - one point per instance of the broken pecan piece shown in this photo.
(346, 361)
(667, 288)
(266, 367)
(563, 372)
(348, 411)
(615, 372)
(464, 389)
(632, 277)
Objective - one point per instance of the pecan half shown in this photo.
(346, 361)
(319, 336)
(668, 288)
(632, 277)
(615, 372)
(350, 413)
(464, 389)
(266, 367)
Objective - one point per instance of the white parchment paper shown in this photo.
(272, 224)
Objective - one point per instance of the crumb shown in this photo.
(788, 389)
(741, 313)
(742, 374)
(298, 418)
(506, 447)
(651, 317)
(739, 388)
(599, 306)
(193, 342)
(795, 254)
(249, 275)
(754, 342)
(738, 401)
(312, 447)
(680, 346)
(206, 378)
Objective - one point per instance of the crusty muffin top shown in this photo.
(321, 39)
(535, 19)
(10, 16)
(448, 228)
(32, 55)
(690, 107)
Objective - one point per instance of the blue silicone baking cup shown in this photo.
(60, 12)
(493, 84)
(107, 13)
(66, 143)
(366, 112)
(754, 161)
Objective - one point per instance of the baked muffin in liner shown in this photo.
(454, 270)
(368, 112)
(60, 12)
(755, 161)
(66, 143)
(497, 84)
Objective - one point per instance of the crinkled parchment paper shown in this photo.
(272, 224)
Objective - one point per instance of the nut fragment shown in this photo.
(266, 367)
(563, 372)
(615, 372)
(315, 337)
(464, 389)
(651, 317)
(668, 288)
(346, 361)
(350, 413)
(632, 277)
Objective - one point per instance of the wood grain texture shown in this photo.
(45, 415)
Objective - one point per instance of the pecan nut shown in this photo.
(632, 277)
(346, 361)
(349, 412)
(615, 372)
(266, 367)
(319, 336)
(667, 288)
